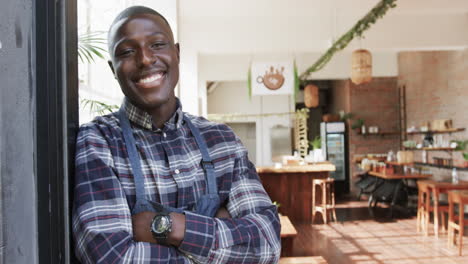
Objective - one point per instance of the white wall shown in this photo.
(231, 97)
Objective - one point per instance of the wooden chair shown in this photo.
(303, 260)
(425, 207)
(327, 202)
(457, 222)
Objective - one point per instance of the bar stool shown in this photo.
(425, 207)
(454, 224)
(327, 202)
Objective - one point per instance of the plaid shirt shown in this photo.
(170, 160)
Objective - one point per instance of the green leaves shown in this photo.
(98, 107)
(90, 46)
(297, 82)
(316, 143)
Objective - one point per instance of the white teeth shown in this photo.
(151, 78)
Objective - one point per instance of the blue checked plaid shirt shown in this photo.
(170, 160)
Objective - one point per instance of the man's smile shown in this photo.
(151, 81)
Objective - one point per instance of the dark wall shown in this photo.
(18, 233)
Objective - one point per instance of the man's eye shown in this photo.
(158, 45)
(124, 53)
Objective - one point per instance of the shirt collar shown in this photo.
(143, 119)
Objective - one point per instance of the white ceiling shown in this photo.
(221, 37)
(231, 8)
(305, 26)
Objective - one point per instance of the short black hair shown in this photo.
(137, 10)
(134, 11)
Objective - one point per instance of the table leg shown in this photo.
(394, 199)
(287, 246)
(436, 212)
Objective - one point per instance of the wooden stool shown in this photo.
(327, 203)
(303, 260)
(425, 207)
(454, 224)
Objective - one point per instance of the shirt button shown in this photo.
(164, 134)
(177, 171)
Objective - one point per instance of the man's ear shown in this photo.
(178, 51)
(112, 68)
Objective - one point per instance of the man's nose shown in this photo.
(147, 57)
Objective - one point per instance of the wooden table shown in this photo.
(287, 234)
(291, 186)
(439, 187)
(400, 183)
(303, 260)
(399, 176)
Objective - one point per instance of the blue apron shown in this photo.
(207, 204)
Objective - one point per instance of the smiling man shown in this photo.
(157, 185)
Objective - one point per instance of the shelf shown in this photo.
(441, 166)
(433, 149)
(395, 163)
(380, 133)
(452, 130)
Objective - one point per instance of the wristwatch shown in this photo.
(161, 226)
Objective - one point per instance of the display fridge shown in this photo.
(334, 147)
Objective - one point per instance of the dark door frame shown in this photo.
(57, 123)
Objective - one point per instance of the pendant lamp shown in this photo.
(361, 66)
(311, 95)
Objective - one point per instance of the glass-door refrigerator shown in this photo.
(334, 147)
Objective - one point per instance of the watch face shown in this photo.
(161, 224)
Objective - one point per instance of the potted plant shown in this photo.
(316, 155)
(461, 146)
(316, 143)
(357, 125)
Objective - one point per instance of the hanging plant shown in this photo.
(356, 31)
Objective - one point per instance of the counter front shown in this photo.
(291, 186)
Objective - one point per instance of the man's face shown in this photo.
(145, 60)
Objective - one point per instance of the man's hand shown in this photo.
(222, 213)
(142, 227)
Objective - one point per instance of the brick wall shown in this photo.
(377, 104)
(436, 88)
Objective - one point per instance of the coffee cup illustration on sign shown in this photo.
(272, 79)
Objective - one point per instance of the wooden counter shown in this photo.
(291, 186)
(318, 167)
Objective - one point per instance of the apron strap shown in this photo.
(132, 154)
(207, 162)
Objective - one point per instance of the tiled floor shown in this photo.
(364, 238)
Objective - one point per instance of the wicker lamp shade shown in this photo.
(361, 66)
(311, 96)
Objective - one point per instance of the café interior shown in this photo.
(353, 112)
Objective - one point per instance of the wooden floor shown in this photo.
(365, 237)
